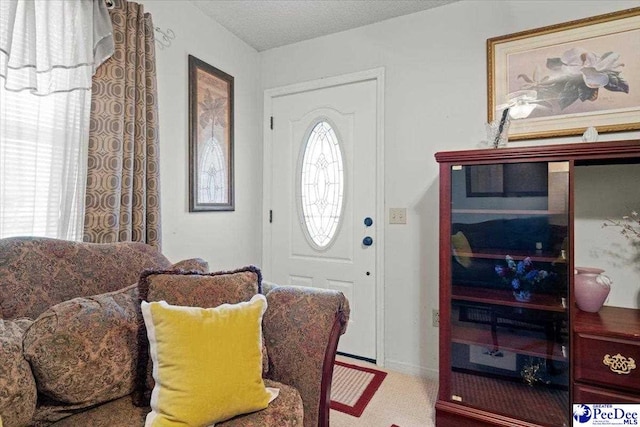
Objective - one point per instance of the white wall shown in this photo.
(604, 247)
(435, 100)
(225, 239)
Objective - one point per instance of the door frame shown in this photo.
(377, 75)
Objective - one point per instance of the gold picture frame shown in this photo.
(581, 73)
(210, 138)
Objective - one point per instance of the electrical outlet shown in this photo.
(435, 317)
(397, 215)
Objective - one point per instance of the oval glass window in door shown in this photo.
(321, 185)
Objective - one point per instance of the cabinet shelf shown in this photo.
(507, 212)
(516, 255)
(614, 321)
(505, 297)
(507, 341)
(508, 399)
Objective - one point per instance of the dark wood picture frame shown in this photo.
(210, 138)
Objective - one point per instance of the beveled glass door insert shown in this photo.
(321, 188)
(509, 281)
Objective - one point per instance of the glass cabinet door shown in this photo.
(509, 284)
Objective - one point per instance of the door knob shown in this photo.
(367, 241)
(368, 222)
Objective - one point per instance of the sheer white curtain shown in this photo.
(49, 51)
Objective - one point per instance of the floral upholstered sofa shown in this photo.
(69, 319)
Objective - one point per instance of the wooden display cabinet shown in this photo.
(512, 359)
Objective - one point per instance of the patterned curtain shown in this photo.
(123, 177)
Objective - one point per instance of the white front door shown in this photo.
(324, 228)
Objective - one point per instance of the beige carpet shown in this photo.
(403, 400)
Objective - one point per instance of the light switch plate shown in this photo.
(397, 215)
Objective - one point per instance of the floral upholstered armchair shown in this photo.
(69, 323)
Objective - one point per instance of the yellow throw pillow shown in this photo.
(207, 362)
(461, 249)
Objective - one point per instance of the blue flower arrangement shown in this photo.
(522, 277)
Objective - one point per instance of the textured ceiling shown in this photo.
(265, 24)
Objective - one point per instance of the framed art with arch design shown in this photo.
(573, 76)
(210, 138)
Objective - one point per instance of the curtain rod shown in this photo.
(164, 38)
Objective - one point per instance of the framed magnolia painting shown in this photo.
(572, 76)
(210, 138)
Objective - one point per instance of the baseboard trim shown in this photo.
(410, 369)
(353, 356)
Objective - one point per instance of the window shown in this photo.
(321, 185)
(45, 100)
(43, 143)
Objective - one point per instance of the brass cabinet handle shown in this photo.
(619, 364)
